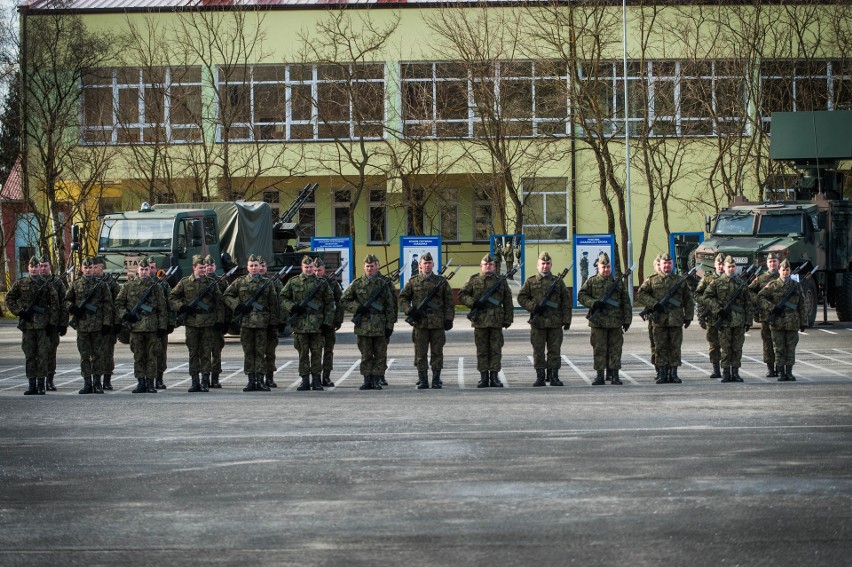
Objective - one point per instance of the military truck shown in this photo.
(815, 226)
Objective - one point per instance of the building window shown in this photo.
(342, 202)
(274, 200)
(449, 213)
(378, 216)
(795, 86)
(131, 105)
(546, 209)
(483, 215)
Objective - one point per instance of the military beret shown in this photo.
(260, 259)
(100, 260)
(427, 257)
(197, 259)
(307, 260)
(603, 260)
(371, 259)
(785, 263)
(487, 259)
(144, 263)
(729, 261)
(319, 263)
(88, 262)
(720, 258)
(208, 260)
(544, 256)
(33, 261)
(152, 260)
(666, 257)
(657, 258)
(253, 258)
(772, 256)
(44, 259)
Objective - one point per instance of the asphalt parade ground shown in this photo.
(700, 473)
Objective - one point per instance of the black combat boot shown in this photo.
(368, 383)
(196, 384)
(735, 374)
(782, 374)
(377, 382)
(205, 382)
(382, 381)
(316, 383)
(599, 379)
(483, 380)
(423, 383)
(554, 377)
(87, 385)
(663, 375)
(251, 384)
(49, 384)
(726, 375)
(790, 377)
(616, 381)
(214, 380)
(306, 383)
(608, 376)
(539, 378)
(150, 387)
(33, 389)
(160, 385)
(495, 379)
(141, 388)
(772, 370)
(270, 380)
(436, 380)
(40, 385)
(673, 377)
(260, 383)
(107, 381)
(717, 371)
(96, 384)
(659, 374)
(326, 379)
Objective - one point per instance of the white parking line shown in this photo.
(640, 359)
(579, 372)
(626, 376)
(703, 371)
(461, 372)
(11, 368)
(348, 373)
(761, 378)
(823, 369)
(827, 331)
(502, 377)
(828, 357)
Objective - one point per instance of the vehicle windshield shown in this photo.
(146, 234)
(736, 224)
(780, 224)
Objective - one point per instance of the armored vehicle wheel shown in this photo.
(844, 298)
(809, 290)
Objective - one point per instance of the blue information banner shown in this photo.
(411, 248)
(587, 249)
(342, 244)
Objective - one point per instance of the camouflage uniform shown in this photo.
(58, 331)
(429, 333)
(221, 329)
(732, 327)
(491, 318)
(254, 326)
(707, 321)
(35, 326)
(668, 325)
(509, 258)
(147, 332)
(329, 337)
(309, 323)
(171, 319)
(790, 318)
(272, 337)
(765, 331)
(201, 321)
(546, 327)
(373, 323)
(607, 323)
(92, 327)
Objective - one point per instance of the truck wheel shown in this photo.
(844, 299)
(809, 290)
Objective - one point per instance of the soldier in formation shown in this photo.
(310, 303)
(672, 308)
(730, 307)
(197, 300)
(490, 301)
(705, 318)
(427, 301)
(171, 322)
(220, 328)
(372, 300)
(61, 327)
(756, 285)
(509, 255)
(272, 330)
(610, 315)
(548, 301)
(141, 305)
(330, 336)
(91, 305)
(35, 302)
(783, 304)
(110, 334)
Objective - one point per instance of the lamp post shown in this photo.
(627, 150)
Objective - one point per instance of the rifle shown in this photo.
(444, 269)
(607, 301)
(364, 309)
(198, 301)
(251, 303)
(541, 307)
(785, 301)
(302, 198)
(34, 306)
(133, 315)
(418, 312)
(488, 296)
(86, 306)
(748, 275)
(302, 307)
(662, 306)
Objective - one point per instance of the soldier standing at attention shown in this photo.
(256, 317)
(220, 328)
(492, 314)
(35, 302)
(498, 257)
(550, 314)
(171, 318)
(272, 330)
(608, 319)
(110, 334)
(734, 322)
(669, 320)
(374, 320)
(329, 337)
(311, 310)
(148, 326)
(90, 303)
(788, 319)
(765, 331)
(430, 323)
(706, 320)
(61, 327)
(197, 300)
